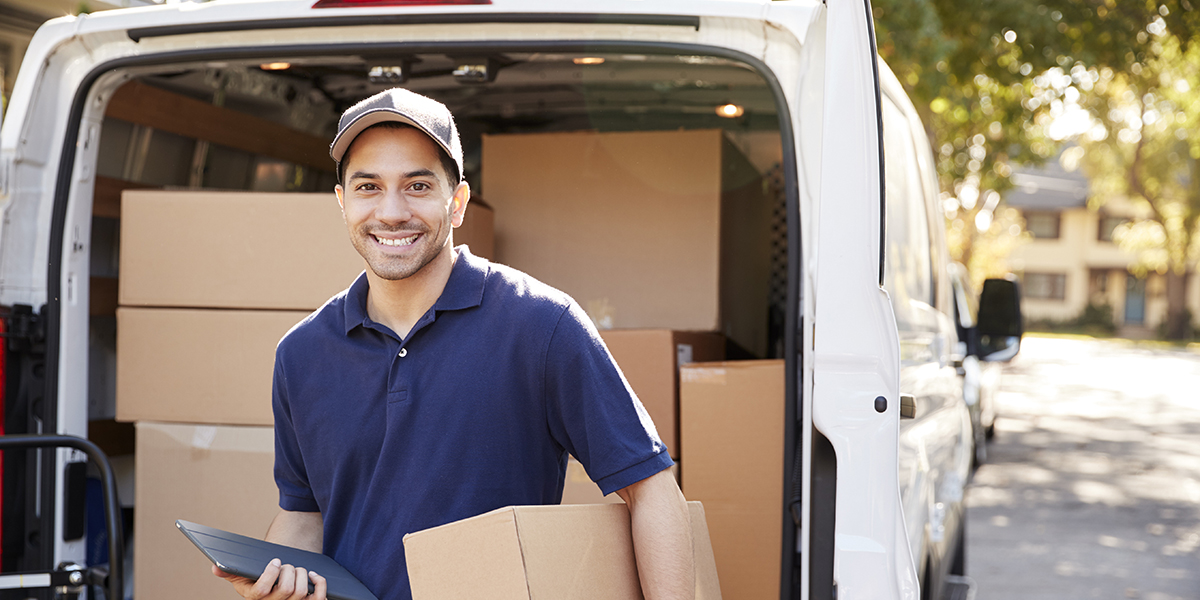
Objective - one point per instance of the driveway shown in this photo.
(1092, 485)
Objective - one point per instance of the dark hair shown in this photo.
(448, 164)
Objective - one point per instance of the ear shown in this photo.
(338, 190)
(458, 204)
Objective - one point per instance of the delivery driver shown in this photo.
(440, 386)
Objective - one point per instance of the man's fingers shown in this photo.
(319, 586)
(271, 574)
(299, 584)
(287, 582)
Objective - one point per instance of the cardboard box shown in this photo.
(580, 552)
(650, 360)
(218, 476)
(661, 229)
(478, 229)
(732, 415)
(198, 365)
(578, 488)
(245, 249)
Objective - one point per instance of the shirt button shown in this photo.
(403, 352)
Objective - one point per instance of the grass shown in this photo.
(1148, 344)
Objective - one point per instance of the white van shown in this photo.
(851, 296)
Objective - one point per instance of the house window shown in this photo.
(1043, 225)
(1046, 286)
(1107, 225)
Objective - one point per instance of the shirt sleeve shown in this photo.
(290, 475)
(592, 411)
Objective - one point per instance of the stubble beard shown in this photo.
(391, 268)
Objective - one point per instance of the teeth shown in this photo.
(400, 242)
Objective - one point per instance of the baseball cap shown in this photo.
(402, 106)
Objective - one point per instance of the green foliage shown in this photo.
(990, 78)
(1144, 150)
(1095, 320)
(1097, 317)
(1192, 331)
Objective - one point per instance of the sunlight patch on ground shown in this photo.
(1036, 475)
(991, 496)
(1097, 492)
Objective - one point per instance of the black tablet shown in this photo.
(248, 557)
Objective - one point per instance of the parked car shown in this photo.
(980, 372)
(876, 439)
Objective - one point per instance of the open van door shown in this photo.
(854, 520)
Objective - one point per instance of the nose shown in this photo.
(393, 208)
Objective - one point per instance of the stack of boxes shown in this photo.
(209, 283)
(661, 236)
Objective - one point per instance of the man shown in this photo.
(440, 386)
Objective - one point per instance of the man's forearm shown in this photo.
(662, 538)
(303, 530)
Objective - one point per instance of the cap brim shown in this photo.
(345, 137)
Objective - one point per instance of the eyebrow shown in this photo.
(408, 175)
(420, 173)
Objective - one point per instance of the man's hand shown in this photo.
(303, 530)
(278, 582)
(662, 537)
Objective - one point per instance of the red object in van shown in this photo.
(374, 3)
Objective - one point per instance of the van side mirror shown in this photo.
(1000, 324)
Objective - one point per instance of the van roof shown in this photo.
(273, 12)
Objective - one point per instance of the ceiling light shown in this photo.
(388, 75)
(730, 111)
(275, 66)
(589, 60)
(476, 70)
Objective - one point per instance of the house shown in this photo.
(1072, 260)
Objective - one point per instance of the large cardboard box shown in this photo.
(578, 488)
(582, 552)
(246, 249)
(198, 365)
(650, 360)
(663, 229)
(218, 476)
(732, 414)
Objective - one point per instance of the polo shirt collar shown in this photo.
(463, 290)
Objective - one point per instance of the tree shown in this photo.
(1144, 148)
(991, 77)
(978, 120)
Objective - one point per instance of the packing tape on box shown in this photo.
(203, 437)
(708, 375)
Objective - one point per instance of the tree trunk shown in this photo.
(1179, 319)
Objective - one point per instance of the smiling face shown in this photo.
(398, 206)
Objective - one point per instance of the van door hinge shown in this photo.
(26, 330)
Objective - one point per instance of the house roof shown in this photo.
(1049, 187)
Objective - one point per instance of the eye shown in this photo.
(420, 186)
(366, 187)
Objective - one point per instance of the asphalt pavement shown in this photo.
(1092, 484)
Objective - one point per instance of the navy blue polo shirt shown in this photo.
(476, 409)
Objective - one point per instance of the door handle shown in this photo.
(908, 406)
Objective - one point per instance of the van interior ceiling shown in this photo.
(265, 126)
